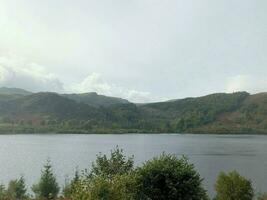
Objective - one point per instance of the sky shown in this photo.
(141, 50)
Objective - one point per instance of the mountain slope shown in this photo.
(250, 117)
(46, 105)
(96, 100)
(192, 112)
(51, 112)
(13, 91)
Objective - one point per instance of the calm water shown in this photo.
(25, 154)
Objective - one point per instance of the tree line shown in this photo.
(115, 177)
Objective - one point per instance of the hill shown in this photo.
(249, 117)
(91, 113)
(190, 113)
(13, 91)
(95, 100)
(45, 112)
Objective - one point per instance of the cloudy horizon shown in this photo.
(142, 50)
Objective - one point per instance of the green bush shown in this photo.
(233, 186)
(17, 189)
(3, 192)
(167, 177)
(111, 178)
(69, 185)
(117, 164)
(121, 187)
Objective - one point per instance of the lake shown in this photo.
(26, 154)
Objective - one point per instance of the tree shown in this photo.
(167, 177)
(47, 187)
(3, 192)
(117, 164)
(233, 186)
(17, 189)
(120, 187)
(70, 185)
(111, 178)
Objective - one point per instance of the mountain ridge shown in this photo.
(228, 113)
(13, 91)
(90, 98)
(96, 100)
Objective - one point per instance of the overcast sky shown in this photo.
(142, 50)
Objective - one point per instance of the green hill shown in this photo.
(249, 117)
(53, 105)
(190, 113)
(91, 113)
(95, 100)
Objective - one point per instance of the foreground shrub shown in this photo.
(68, 189)
(167, 177)
(17, 189)
(3, 192)
(232, 186)
(47, 187)
(116, 164)
(111, 178)
(99, 188)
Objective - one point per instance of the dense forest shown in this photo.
(236, 113)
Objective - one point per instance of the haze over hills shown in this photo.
(96, 100)
(92, 113)
(13, 91)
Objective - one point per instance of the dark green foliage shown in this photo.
(68, 189)
(116, 164)
(167, 177)
(47, 187)
(17, 189)
(232, 186)
(111, 178)
(121, 187)
(3, 192)
(123, 116)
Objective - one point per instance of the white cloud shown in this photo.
(172, 49)
(27, 75)
(95, 83)
(92, 83)
(34, 77)
(248, 83)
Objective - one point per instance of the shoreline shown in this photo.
(139, 133)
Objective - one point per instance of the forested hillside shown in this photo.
(91, 113)
(95, 100)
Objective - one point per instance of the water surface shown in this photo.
(26, 154)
